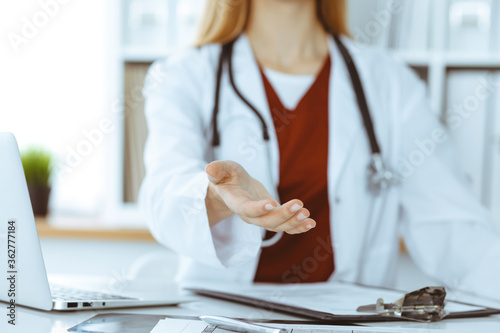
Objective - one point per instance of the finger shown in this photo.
(216, 171)
(225, 171)
(253, 209)
(281, 214)
(307, 225)
(293, 222)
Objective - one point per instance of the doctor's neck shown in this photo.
(287, 36)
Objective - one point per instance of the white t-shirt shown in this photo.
(290, 88)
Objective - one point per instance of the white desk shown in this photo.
(51, 322)
(115, 260)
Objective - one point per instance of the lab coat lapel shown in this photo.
(344, 120)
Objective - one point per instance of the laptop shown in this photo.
(21, 259)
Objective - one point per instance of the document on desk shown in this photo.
(194, 326)
(325, 301)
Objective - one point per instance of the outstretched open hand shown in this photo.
(248, 198)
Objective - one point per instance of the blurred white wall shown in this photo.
(54, 86)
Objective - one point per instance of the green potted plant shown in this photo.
(37, 164)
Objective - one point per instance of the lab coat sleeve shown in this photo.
(173, 192)
(448, 233)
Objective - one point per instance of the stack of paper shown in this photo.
(192, 326)
(470, 25)
(410, 25)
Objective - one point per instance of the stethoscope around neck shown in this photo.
(380, 178)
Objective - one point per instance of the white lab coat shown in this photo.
(448, 234)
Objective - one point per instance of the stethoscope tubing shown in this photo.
(226, 57)
(360, 95)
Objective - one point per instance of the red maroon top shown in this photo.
(303, 146)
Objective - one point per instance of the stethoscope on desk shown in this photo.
(379, 176)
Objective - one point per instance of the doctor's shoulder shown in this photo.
(192, 68)
(387, 79)
(381, 66)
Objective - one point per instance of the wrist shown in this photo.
(216, 207)
(214, 197)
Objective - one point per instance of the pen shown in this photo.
(239, 326)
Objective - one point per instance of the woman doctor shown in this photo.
(269, 94)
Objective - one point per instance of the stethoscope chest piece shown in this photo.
(380, 178)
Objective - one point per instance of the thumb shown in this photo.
(216, 171)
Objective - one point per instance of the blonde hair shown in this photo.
(224, 20)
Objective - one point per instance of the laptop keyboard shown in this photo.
(72, 294)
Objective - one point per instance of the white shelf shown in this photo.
(479, 60)
(451, 59)
(144, 54)
(417, 59)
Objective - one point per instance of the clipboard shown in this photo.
(330, 317)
